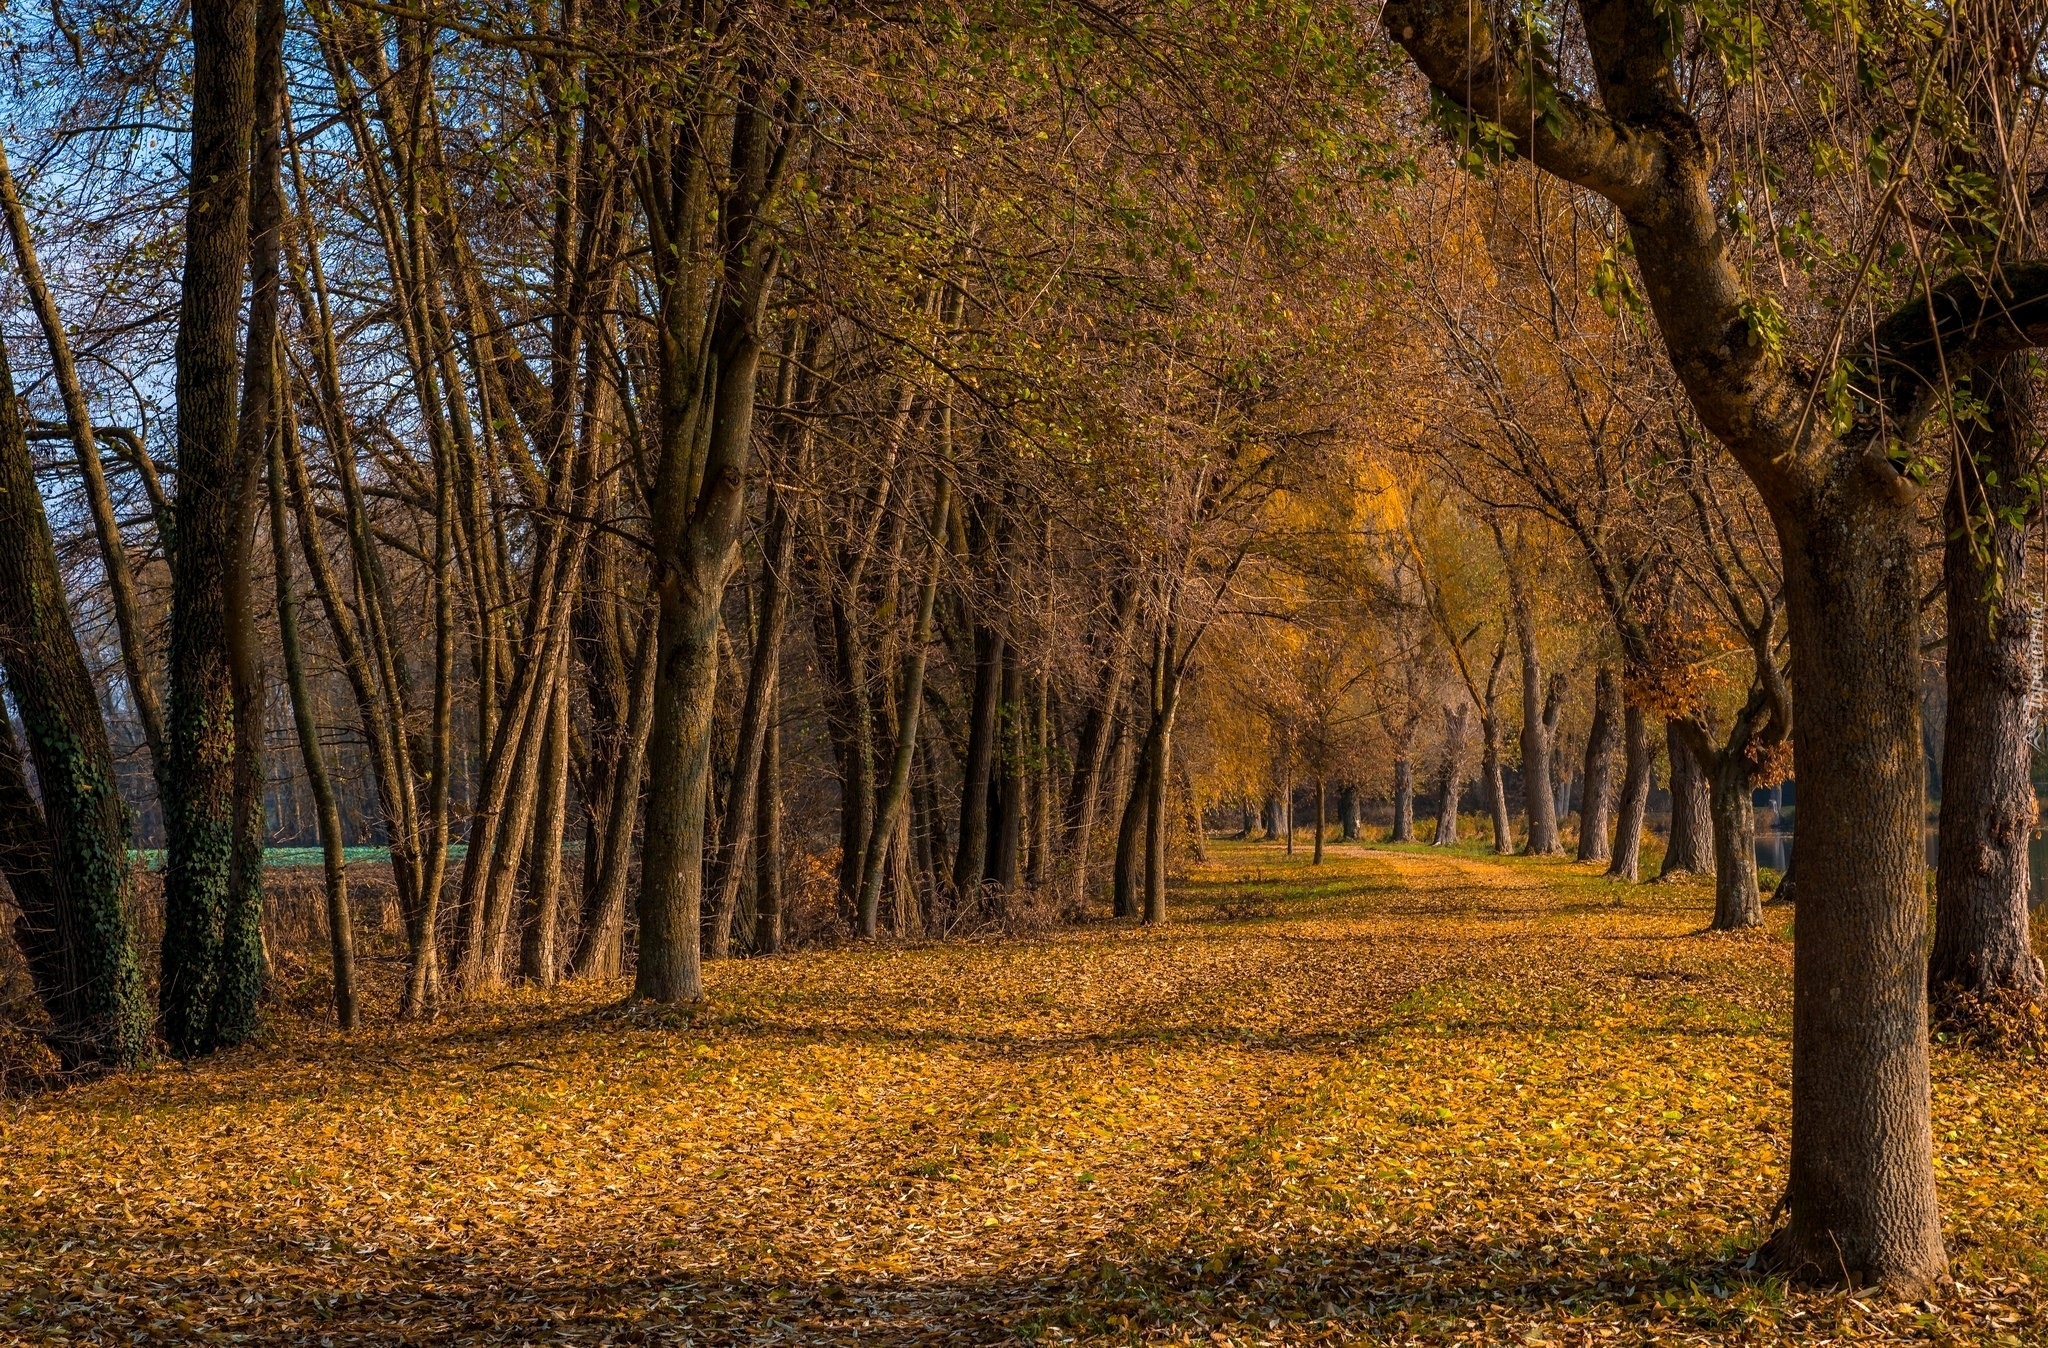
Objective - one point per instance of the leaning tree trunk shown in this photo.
(199, 809)
(1690, 850)
(1984, 965)
(68, 860)
(1634, 802)
(1448, 787)
(1737, 904)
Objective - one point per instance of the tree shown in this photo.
(1832, 468)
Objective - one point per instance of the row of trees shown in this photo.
(595, 423)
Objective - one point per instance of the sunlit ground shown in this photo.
(1408, 1097)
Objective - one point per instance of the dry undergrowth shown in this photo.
(1413, 1097)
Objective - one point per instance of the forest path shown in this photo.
(1413, 1095)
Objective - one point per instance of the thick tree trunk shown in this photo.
(1596, 795)
(1269, 817)
(1861, 1192)
(1737, 903)
(1984, 966)
(67, 860)
(1634, 802)
(1448, 785)
(1404, 801)
(1347, 805)
(679, 771)
(1322, 820)
(1690, 850)
(200, 817)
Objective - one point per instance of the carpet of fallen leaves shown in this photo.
(1410, 1097)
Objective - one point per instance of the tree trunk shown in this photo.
(67, 860)
(1347, 805)
(1404, 801)
(1322, 820)
(1127, 881)
(1158, 757)
(1008, 825)
(1448, 787)
(538, 961)
(334, 860)
(910, 708)
(736, 830)
(1737, 904)
(1596, 795)
(768, 834)
(135, 655)
(1287, 806)
(200, 816)
(971, 861)
(1496, 787)
(1539, 722)
(602, 935)
(1861, 1191)
(1984, 966)
(1634, 802)
(1097, 728)
(1269, 816)
(1690, 849)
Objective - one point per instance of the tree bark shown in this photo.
(1635, 797)
(1347, 803)
(341, 942)
(1737, 902)
(1322, 790)
(768, 833)
(1404, 801)
(736, 832)
(1690, 848)
(128, 623)
(1539, 721)
(1596, 796)
(971, 861)
(67, 860)
(538, 960)
(200, 818)
(1984, 966)
(1634, 802)
(889, 813)
(1127, 878)
(1448, 785)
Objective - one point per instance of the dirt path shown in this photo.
(1411, 1095)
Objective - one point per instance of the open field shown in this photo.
(1411, 1097)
